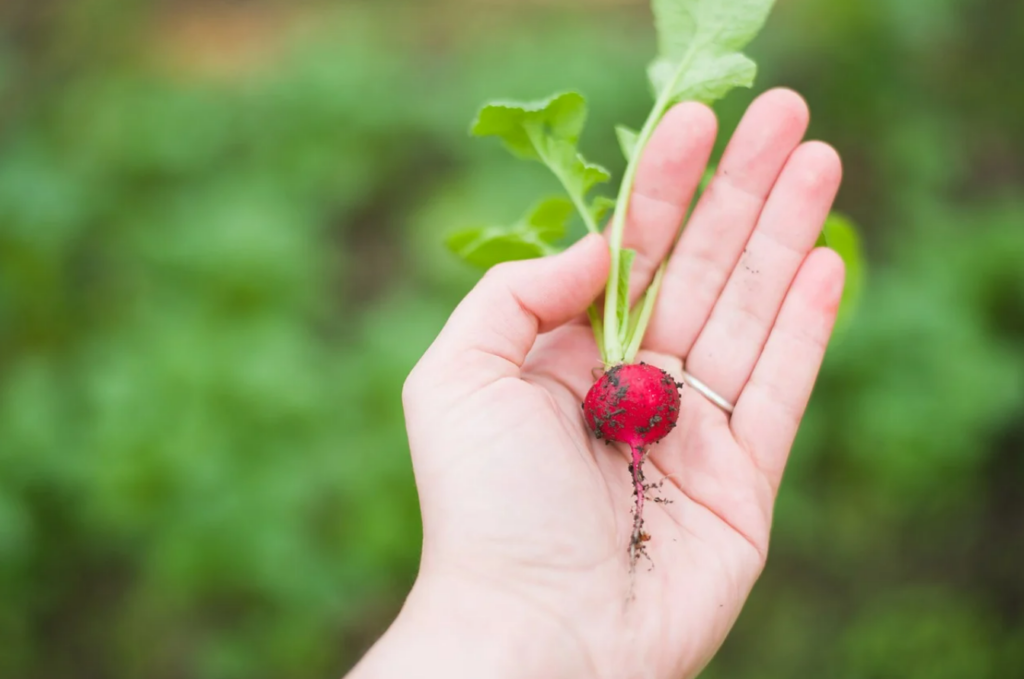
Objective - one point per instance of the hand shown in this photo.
(525, 570)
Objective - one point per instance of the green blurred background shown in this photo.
(220, 254)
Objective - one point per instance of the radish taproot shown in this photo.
(638, 405)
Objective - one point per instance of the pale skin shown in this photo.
(525, 569)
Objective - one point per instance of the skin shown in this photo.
(525, 570)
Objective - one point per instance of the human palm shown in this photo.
(527, 517)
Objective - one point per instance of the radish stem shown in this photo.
(650, 298)
(614, 350)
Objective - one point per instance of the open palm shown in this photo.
(527, 517)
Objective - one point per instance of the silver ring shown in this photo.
(708, 393)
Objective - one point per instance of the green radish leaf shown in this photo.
(549, 219)
(586, 175)
(487, 246)
(709, 81)
(561, 117)
(840, 234)
(628, 139)
(700, 47)
(600, 208)
(626, 257)
(535, 235)
(547, 131)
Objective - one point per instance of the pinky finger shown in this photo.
(773, 402)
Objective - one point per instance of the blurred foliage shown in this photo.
(221, 251)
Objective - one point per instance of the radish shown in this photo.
(635, 404)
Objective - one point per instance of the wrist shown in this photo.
(453, 627)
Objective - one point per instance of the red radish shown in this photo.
(635, 404)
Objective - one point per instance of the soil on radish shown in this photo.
(635, 404)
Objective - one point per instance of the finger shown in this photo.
(490, 333)
(773, 403)
(667, 177)
(729, 345)
(725, 216)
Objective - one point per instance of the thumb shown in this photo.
(514, 302)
